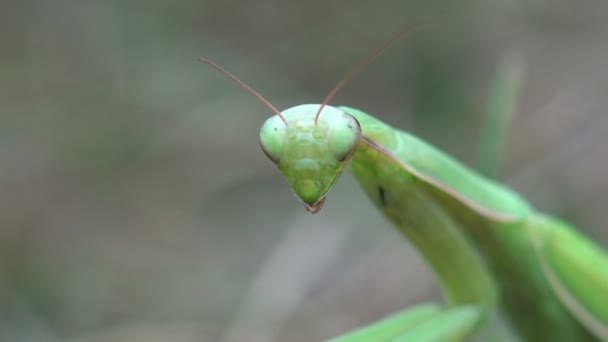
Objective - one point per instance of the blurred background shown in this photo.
(136, 204)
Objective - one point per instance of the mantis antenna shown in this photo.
(364, 63)
(244, 86)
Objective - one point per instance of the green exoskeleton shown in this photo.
(488, 247)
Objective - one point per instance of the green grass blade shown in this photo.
(391, 326)
(453, 324)
(500, 110)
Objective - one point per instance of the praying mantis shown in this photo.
(490, 249)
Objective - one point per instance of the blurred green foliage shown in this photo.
(135, 203)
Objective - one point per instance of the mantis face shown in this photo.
(311, 156)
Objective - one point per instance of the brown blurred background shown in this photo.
(136, 205)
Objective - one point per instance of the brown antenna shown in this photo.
(364, 63)
(245, 86)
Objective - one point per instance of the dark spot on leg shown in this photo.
(382, 195)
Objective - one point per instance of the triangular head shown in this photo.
(312, 144)
(311, 154)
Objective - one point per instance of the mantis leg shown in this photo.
(576, 270)
(468, 287)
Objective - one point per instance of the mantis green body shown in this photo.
(488, 247)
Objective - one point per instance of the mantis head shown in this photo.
(311, 149)
(311, 153)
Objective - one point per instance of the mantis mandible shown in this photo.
(488, 247)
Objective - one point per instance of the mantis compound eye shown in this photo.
(272, 135)
(344, 137)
